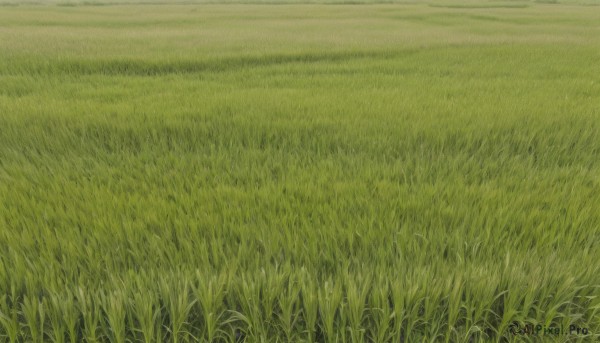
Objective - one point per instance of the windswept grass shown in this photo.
(299, 173)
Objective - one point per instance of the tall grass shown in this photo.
(298, 173)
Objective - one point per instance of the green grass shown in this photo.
(299, 173)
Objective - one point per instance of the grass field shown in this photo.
(425, 172)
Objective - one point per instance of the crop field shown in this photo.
(262, 172)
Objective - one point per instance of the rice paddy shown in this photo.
(260, 172)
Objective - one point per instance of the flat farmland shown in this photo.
(286, 172)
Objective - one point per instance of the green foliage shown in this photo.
(298, 173)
